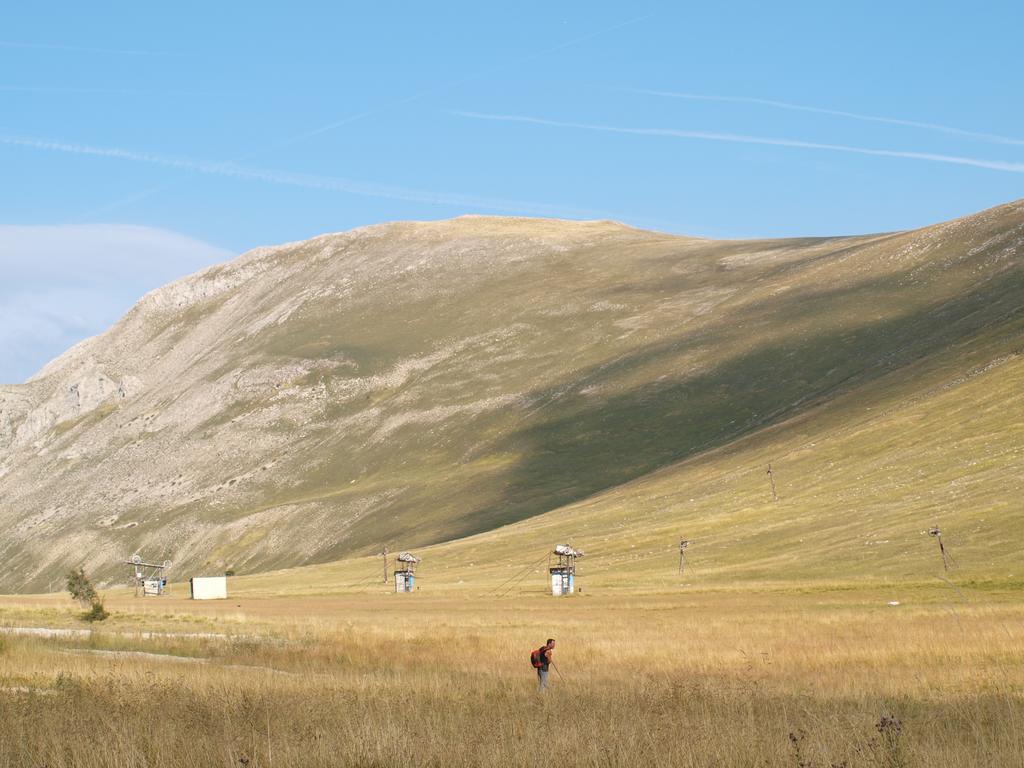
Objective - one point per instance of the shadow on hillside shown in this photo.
(579, 445)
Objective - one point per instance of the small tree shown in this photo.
(81, 589)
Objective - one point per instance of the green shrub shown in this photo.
(96, 611)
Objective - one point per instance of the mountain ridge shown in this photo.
(435, 380)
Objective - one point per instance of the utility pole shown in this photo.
(946, 559)
(771, 479)
(384, 554)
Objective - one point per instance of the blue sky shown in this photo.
(184, 133)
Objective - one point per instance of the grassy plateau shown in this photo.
(686, 677)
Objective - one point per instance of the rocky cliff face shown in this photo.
(416, 382)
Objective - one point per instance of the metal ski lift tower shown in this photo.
(563, 570)
(148, 578)
(405, 569)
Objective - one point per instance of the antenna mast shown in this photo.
(771, 479)
(947, 561)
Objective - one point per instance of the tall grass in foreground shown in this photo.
(712, 680)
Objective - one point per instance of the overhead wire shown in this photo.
(518, 577)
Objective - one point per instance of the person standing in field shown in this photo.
(541, 660)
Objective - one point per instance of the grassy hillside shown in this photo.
(859, 481)
(524, 381)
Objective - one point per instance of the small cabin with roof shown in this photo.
(405, 572)
(562, 569)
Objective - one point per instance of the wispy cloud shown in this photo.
(63, 283)
(994, 165)
(308, 181)
(990, 137)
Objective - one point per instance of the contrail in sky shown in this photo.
(453, 84)
(82, 49)
(356, 117)
(99, 91)
(307, 181)
(994, 165)
(991, 137)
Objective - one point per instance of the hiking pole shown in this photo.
(560, 675)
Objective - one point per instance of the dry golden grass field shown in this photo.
(777, 676)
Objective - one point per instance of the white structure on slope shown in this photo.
(209, 587)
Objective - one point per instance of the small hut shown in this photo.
(208, 587)
(405, 572)
(563, 569)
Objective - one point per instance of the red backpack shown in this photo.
(537, 657)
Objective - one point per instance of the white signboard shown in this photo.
(209, 587)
